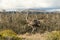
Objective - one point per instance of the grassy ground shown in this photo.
(54, 35)
(17, 22)
(36, 36)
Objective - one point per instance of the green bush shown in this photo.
(55, 35)
(9, 34)
(10, 38)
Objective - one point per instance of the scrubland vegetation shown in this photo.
(13, 24)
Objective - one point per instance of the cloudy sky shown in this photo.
(8, 4)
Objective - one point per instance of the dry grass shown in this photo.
(54, 35)
(36, 36)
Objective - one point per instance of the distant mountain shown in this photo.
(53, 10)
(47, 9)
(43, 8)
(35, 9)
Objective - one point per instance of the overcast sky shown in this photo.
(8, 4)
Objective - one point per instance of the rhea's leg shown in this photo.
(33, 29)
